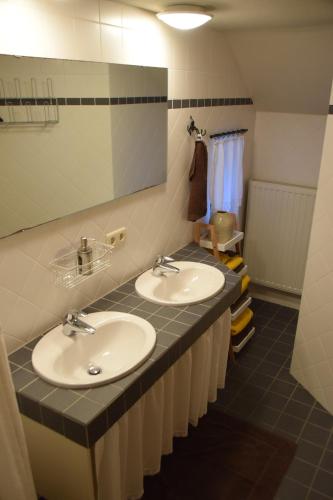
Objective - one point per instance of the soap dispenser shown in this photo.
(84, 257)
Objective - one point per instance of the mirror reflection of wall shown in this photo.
(107, 136)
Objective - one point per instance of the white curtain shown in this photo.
(16, 481)
(134, 445)
(225, 175)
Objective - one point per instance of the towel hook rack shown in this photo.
(193, 128)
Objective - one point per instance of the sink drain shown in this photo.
(94, 370)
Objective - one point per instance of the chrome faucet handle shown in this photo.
(162, 259)
(162, 265)
(74, 315)
(72, 324)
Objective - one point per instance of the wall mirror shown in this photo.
(76, 134)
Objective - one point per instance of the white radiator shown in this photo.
(278, 225)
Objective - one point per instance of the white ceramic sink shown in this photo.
(196, 282)
(120, 344)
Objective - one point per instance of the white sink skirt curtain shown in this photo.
(134, 445)
(15, 472)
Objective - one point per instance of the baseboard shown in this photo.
(275, 296)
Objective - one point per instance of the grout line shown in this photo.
(324, 449)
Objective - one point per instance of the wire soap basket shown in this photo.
(17, 110)
(68, 273)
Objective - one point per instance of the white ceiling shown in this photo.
(253, 14)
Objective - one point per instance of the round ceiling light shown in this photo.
(184, 17)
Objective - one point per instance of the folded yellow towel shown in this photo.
(245, 282)
(234, 262)
(241, 322)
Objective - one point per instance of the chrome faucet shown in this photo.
(72, 324)
(162, 265)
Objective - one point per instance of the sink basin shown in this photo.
(194, 283)
(121, 343)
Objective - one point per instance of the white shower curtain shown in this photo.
(225, 175)
(16, 481)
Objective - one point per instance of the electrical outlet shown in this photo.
(117, 237)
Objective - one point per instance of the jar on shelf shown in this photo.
(224, 223)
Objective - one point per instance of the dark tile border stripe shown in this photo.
(330, 109)
(115, 101)
(209, 102)
(82, 101)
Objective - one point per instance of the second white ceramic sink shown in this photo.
(120, 344)
(194, 283)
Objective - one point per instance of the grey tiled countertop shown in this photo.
(84, 415)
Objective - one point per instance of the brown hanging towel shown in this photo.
(197, 207)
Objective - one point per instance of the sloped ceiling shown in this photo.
(250, 14)
(286, 70)
(284, 48)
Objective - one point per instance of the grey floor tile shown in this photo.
(303, 396)
(262, 381)
(246, 359)
(275, 357)
(290, 424)
(282, 388)
(286, 314)
(315, 495)
(282, 348)
(315, 434)
(291, 490)
(265, 415)
(277, 324)
(330, 443)
(327, 461)
(297, 409)
(274, 400)
(285, 375)
(309, 452)
(251, 392)
(238, 372)
(261, 320)
(267, 368)
(323, 419)
(323, 483)
(287, 339)
(271, 334)
(301, 472)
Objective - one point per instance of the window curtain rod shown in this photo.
(231, 132)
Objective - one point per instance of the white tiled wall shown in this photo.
(200, 65)
(312, 362)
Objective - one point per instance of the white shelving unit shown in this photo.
(223, 247)
(208, 240)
